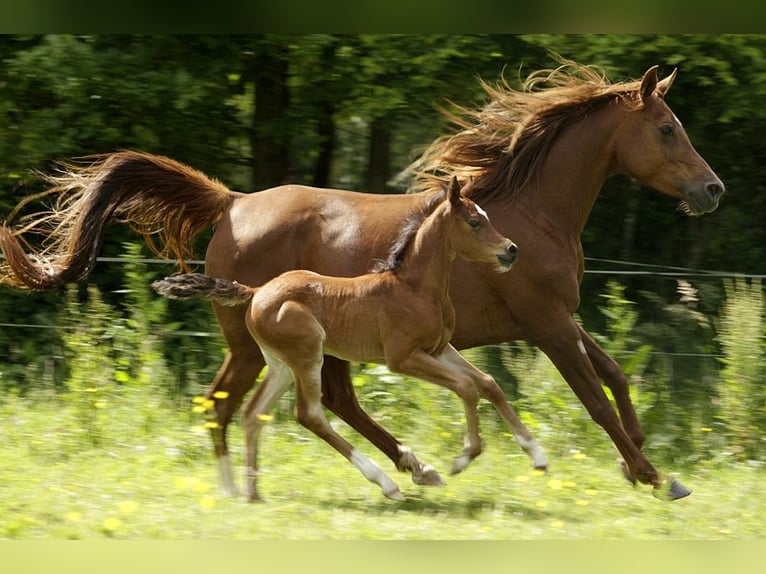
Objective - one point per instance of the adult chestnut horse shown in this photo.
(538, 156)
(399, 314)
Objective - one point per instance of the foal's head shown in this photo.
(472, 235)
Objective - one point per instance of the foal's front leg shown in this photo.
(488, 388)
(436, 370)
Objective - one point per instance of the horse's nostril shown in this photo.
(714, 189)
(513, 250)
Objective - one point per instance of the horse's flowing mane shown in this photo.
(503, 144)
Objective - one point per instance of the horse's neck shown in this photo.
(427, 263)
(576, 168)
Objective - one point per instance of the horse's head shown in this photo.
(654, 149)
(474, 238)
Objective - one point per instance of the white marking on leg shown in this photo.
(422, 474)
(374, 473)
(227, 479)
(581, 346)
(534, 450)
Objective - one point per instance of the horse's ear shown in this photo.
(664, 85)
(453, 192)
(648, 83)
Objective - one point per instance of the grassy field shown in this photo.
(146, 473)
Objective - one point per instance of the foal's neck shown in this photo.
(426, 265)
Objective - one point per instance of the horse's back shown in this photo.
(333, 232)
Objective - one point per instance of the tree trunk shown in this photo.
(378, 158)
(327, 140)
(269, 135)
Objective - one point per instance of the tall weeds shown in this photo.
(742, 392)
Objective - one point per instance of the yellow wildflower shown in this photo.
(112, 523)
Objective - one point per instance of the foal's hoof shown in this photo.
(671, 489)
(428, 477)
(394, 494)
(460, 463)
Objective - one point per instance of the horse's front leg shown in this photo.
(612, 375)
(338, 395)
(558, 336)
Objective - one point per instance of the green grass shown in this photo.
(158, 481)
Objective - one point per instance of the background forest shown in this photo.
(676, 300)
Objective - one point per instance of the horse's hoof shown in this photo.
(428, 477)
(671, 489)
(542, 468)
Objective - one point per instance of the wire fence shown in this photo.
(630, 268)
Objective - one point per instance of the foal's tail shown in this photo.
(164, 201)
(195, 285)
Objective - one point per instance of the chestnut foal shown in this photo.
(399, 314)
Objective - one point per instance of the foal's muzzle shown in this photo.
(508, 258)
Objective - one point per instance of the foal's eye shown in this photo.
(666, 130)
(474, 224)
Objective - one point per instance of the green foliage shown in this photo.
(742, 334)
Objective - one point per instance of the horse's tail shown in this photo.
(166, 202)
(196, 285)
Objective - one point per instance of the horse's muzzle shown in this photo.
(705, 199)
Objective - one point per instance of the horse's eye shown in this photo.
(474, 224)
(666, 130)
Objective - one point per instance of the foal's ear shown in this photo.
(648, 84)
(453, 191)
(664, 85)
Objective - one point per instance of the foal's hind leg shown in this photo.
(338, 396)
(297, 338)
(277, 380)
(241, 367)
(310, 414)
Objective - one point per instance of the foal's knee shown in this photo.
(489, 389)
(310, 417)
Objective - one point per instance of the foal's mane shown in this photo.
(407, 233)
(503, 144)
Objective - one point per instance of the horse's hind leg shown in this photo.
(234, 379)
(338, 395)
